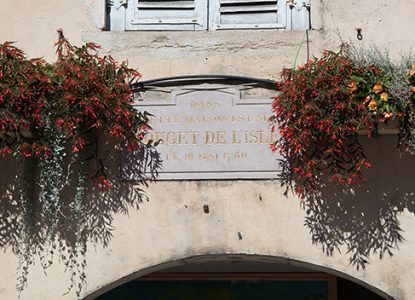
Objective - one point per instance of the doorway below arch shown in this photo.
(236, 279)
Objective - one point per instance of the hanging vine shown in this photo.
(51, 119)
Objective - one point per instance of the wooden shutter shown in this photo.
(228, 14)
(166, 15)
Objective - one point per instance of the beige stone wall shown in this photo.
(172, 225)
(172, 228)
(33, 25)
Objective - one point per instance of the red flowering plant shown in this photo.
(51, 116)
(319, 111)
(24, 86)
(80, 94)
(96, 95)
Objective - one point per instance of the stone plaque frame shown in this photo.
(224, 148)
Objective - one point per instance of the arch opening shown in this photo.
(239, 277)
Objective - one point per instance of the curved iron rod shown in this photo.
(195, 79)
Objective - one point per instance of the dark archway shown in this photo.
(227, 273)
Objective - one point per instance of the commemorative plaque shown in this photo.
(210, 133)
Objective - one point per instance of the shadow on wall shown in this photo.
(34, 229)
(365, 218)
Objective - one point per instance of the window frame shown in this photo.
(197, 19)
(291, 15)
(215, 18)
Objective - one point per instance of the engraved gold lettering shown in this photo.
(215, 137)
(210, 138)
(227, 156)
(238, 155)
(171, 138)
(160, 137)
(235, 138)
(181, 135)
(220, 137)
(246, 118)
(188, 156)
(204, 104)
(195, 136)
(261, 138)
(263, 118)
(171, 156)
(208, 156)
(253, 134)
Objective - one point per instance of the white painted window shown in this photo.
(208, 14)
(229, 14)
(166, 15)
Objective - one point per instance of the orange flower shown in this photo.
(384, 96)
(372, 105)
(352, 87)
(411, 73)
(377, 88)
(388, 115)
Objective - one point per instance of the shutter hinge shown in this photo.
(291, 3)
(122, 3)
(119, 3)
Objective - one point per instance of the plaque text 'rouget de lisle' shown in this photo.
(212, 134)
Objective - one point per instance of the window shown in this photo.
(166, 14)
(207, 14)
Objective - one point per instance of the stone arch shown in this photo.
(173, 227)
(232, 257)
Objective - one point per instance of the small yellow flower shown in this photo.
(377, 88)
(372, 105)
(384, 96)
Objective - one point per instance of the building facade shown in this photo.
(207, 220)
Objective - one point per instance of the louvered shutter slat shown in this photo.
(166, 5)
(223, 14)
(249, 8)
(247, 14)
(254, 2)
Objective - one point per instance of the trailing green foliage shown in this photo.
(399, 74)
(51, 117)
